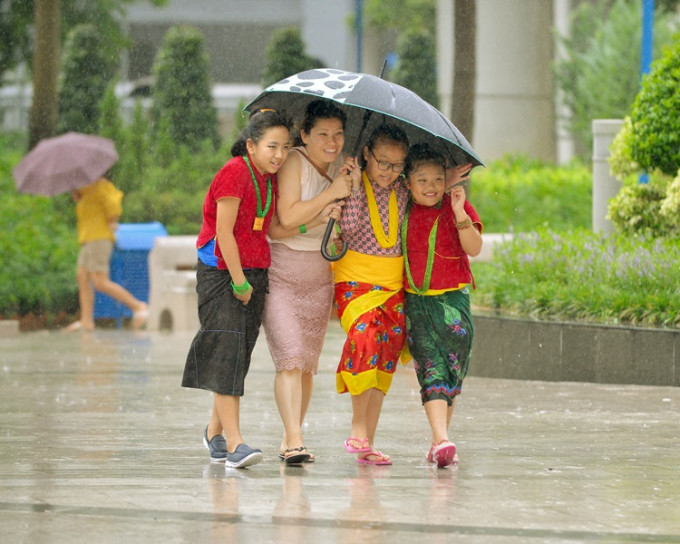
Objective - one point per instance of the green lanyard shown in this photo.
(431, 240)
(261, 214)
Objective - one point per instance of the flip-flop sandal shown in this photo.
(443, 454)
(365, 448)
(295, 456)
(380, 458)
(311, 459)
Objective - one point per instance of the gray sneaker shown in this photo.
(243, 456)
(217, 446)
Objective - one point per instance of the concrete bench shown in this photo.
(173, 302)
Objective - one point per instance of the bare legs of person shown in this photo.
(226, 417)
(439, 415)
(293, 392)
(366, 408)
(88, 282)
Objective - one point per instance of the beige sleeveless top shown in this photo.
(311, 184)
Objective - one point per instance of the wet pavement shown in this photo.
(98, 442)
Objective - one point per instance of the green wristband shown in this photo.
(240, 289)
(303, 229)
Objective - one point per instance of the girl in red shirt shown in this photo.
(439, 231)
(233, 258)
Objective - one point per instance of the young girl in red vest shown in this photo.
(233, 258)
(439, 231)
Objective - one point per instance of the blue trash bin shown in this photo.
(129, 267)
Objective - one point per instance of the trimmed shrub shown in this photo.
(88, 68)
(416, 67)
(636, 209)
(655, 141)
(182, 97)
(285, 55)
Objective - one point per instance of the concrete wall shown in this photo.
(554, 351)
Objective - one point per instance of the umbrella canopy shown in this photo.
(385, 102)
(64, 163)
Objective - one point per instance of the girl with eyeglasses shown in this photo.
(368, 286)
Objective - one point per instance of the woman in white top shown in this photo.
(298, 306)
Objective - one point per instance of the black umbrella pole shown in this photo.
(324, 244)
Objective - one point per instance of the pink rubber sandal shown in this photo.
(443, 453)
(379, 458)
(365, 448)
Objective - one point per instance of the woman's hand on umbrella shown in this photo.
(341, 186)
(331, 211)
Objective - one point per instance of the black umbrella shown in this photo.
(368, 101)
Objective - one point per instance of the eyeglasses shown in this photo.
(385, 165)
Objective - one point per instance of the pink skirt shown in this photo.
(297, 308)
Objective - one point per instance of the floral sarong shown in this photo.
(372, 315)
(440, 335)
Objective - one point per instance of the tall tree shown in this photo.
(43, 117)
(465, 66)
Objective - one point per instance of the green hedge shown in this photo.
(580, 275)
(518, 194)
(38, 245)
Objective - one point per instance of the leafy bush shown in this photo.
(636, 209)
(174, 194)
(182, 98)
(285, 55)
(87, 71)
(655, 141)
(38, 244)
(670, 207)
(581, 275)
(519, 194)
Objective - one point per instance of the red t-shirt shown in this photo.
(451, 265)
(235, 181)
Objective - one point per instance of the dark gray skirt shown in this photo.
(219, 357)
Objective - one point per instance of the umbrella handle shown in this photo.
(324, 244)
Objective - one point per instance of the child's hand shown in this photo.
(458, 200)
(245, 297)
(351, 167)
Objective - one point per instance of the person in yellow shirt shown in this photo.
(98, 207)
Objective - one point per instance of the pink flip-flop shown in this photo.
(443, 453)
(380, 458)
(365, 448)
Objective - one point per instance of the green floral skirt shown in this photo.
(440, 332)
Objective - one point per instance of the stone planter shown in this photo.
(557, 351)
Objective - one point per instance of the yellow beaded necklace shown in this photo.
(385, 240)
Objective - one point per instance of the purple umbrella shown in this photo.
(64, 163)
